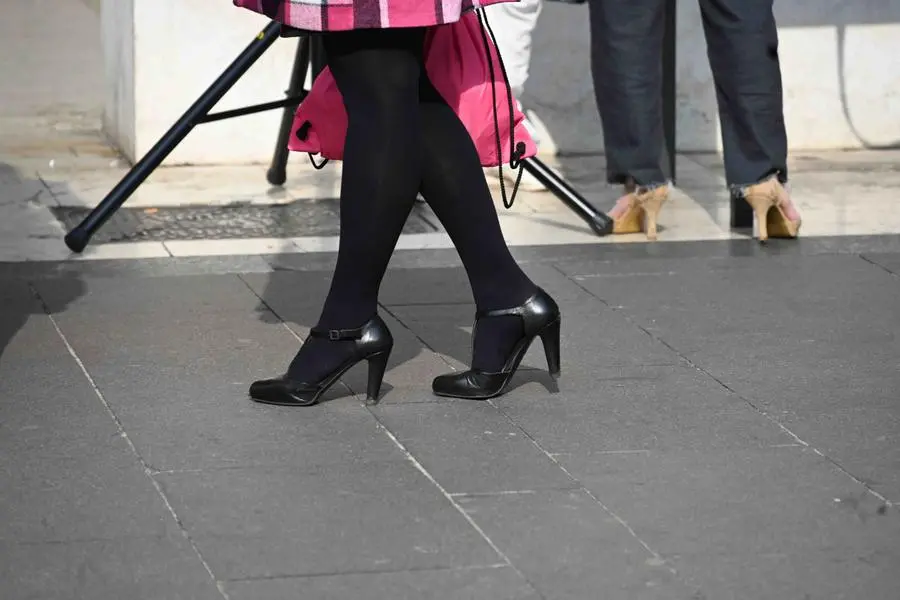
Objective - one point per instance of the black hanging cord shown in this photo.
(317, 166)
(302, 134)
(517, 150)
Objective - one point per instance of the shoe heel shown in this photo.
(377, 366)
(652, 203)
(550, 338)
(761, 205)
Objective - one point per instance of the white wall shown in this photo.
(117, 26)
(840, 63)
(161, 54)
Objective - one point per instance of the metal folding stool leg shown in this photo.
(198, 113)
(598, 220)
(277, 173)
(310, 59)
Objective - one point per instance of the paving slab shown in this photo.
(641, 409)
(808, 340)
(18, 297)
(67, 472)
(403, 287)
(134, 269)
(495, 582)
(220, 427)
(145, 338)
(855, 244)
(28, 230)
(295, 297)
(186, 405)
(685, 453)
(569, 547)
(737, 322)
(353, 517)
(861, 439)
(49, 409)
(84, 491)
(471, 448)
(811, 385)
(751, 523)
(108, 296)
(106, 570)
(724, 296)
(27, 334)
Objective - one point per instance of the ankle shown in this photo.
(344, 319)
(494, 340)
(506, 297)
(318, 357)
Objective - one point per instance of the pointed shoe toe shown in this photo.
(282, 391)
(470, 385)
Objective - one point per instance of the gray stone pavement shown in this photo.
(727, 427)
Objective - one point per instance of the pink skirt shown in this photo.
(341, 15)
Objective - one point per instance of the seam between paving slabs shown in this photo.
(581, 487)
(412, 459)
(134, 450)
(372, 572)
(453, 502)
(879, 265)
(799, 441)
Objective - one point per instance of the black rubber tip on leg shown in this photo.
(77, 240)
(601, 224)
(276, 176)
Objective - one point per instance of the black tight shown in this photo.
(403, 138)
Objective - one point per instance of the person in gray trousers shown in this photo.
(742, 46)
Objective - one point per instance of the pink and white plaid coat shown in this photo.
(340, 15)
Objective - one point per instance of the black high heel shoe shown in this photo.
(540, 317)
(373, 342)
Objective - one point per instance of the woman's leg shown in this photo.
(377, 72)
(513, 312)
(387, 156)
(454, 185)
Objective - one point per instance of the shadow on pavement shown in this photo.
(20, 301)
(19, 198)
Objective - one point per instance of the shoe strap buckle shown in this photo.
(337, 335)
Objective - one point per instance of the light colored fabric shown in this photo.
(341, 15)
(513, 24)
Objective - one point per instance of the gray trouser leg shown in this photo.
(626, 45)
(742, 45)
